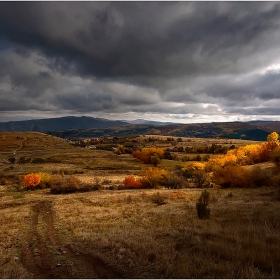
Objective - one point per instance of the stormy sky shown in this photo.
(166, 61)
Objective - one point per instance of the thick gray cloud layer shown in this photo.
(173, 60)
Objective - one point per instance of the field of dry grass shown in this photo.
(125, 233)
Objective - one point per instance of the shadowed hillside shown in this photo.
(55, 124)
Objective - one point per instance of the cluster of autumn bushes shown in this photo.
(239, 176)
(191, 175)
(153, 155)
(233, 169)
(154, 177)
(246, 155)
(149, 155)
(58, 184)
(228, 170)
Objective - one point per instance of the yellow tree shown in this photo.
(198, 166)
(273, 137)
(153, 177)
(272, 142)
(223, 160)
(199, 173)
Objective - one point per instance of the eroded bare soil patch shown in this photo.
(45, 255)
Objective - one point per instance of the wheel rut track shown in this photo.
(42, 248)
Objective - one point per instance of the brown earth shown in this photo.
(45, 255)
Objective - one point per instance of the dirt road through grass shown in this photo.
(46, 256)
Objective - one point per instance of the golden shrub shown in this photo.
(232, 176)
(153, 177)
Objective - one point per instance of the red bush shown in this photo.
(32, 180)
(130, 182)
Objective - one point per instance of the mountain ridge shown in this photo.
(143, 121)
(87, 127)
(61, 123)
(234, 130)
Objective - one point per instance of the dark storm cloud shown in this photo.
(143, 39)
(249, 89)
(165, 57)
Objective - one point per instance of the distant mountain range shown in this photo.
(87, 127)
(55, 124)
(233, 130)
(142, 121)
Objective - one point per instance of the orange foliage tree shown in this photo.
(131, 182)
(32, 180)
(146, 155)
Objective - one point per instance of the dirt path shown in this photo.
(17, 149)
(16, 167)
(45, 256)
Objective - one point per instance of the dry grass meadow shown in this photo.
(124, 233)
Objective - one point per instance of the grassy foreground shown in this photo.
(124, 234)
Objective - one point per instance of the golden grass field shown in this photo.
(123, 233)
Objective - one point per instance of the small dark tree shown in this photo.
(12, 160)
(167, 154)
(181, 149)
(158, 199)
(172, 181)
(38, 160)
(202, 208)
(200, 178)
(21, 160)
(119, 150)
(155, 159)
(198, 158)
